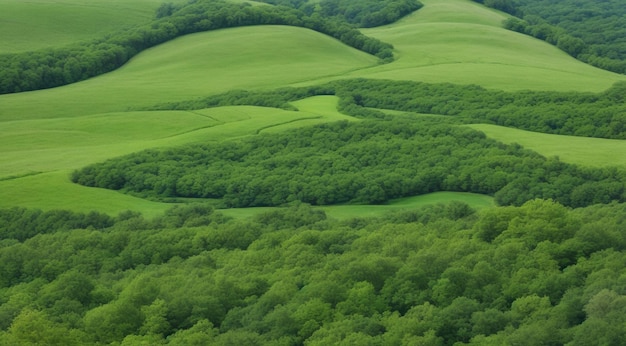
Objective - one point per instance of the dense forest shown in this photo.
(366, 162)
(441, 275)
(594, 32)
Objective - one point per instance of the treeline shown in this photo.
(368, 13)
(539, 274)
(363, 13)
(590, 31)
(601, 115)
(367, 162)
(55, 67)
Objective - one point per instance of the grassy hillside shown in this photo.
(37, 24)
(194, 66)
(459, 41)
(57, 130)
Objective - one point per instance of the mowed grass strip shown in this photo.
(342, 212)
(462, 42)
(595, 152)
(37, 24)
(261, 57)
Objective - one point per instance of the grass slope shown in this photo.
(597, 152)
(38, 24)
(193, 66)
(460, 41)
(46, 134)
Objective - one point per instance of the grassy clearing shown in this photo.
(38, 24)
(343, 212)
(596, 152)
(194, 66)
(459, 41)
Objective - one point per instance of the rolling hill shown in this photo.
(39, 24)
(57, 130)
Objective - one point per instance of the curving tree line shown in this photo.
(55, 67)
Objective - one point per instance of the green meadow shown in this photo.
(46, 134)
(38, 24)
(462, 42)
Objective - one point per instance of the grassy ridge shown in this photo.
(596, 152)
(33, 25)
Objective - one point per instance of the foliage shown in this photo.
(363, 13)
(540, 273)
(367, 162)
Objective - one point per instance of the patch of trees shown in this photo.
(536, 274)
(363, 13)
(368, 13)
(601, 115)
(590, 31)
(368, 162)
(55, 67)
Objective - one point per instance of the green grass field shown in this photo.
(37, 24)
(595, 152)
(46, 134)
